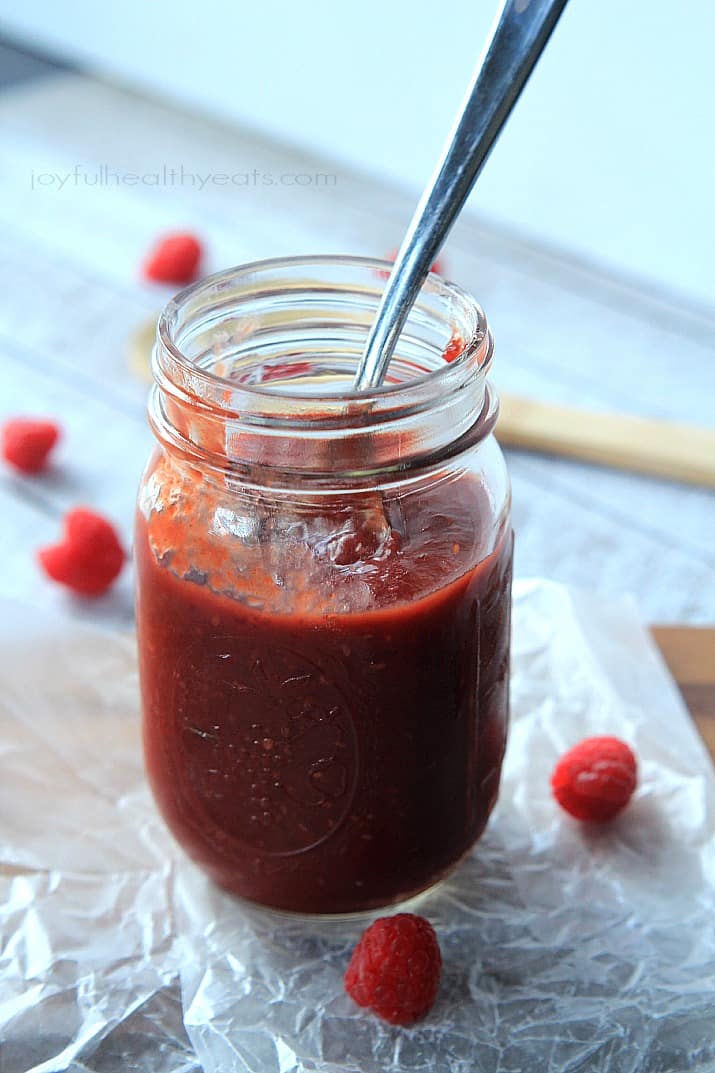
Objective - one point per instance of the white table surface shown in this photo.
(70, 295)
(607, 152)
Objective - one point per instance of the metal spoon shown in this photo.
(519, 34)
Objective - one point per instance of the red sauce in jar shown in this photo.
(324, 725)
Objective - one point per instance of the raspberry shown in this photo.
(90, 557)
(395, 968)
(595, 780)
(175, 259)
(438, 265)
(453, 349)
(26, 442)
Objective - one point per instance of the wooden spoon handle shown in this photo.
(646, 445)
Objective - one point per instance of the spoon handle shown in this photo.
(518, 37)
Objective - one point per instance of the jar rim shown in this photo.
(258, 318)
(476, 351)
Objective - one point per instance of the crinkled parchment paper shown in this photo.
(564, 948)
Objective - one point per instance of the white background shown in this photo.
(609, 154)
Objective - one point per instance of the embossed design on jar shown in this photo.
(275, 771)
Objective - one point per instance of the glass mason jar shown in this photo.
(323, 586)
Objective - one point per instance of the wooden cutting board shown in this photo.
(689, 652)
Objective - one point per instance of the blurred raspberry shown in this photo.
(595, 780)
(27, 442)
(90, 557)
(395, 968)
(174, 259)
(438, 265)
